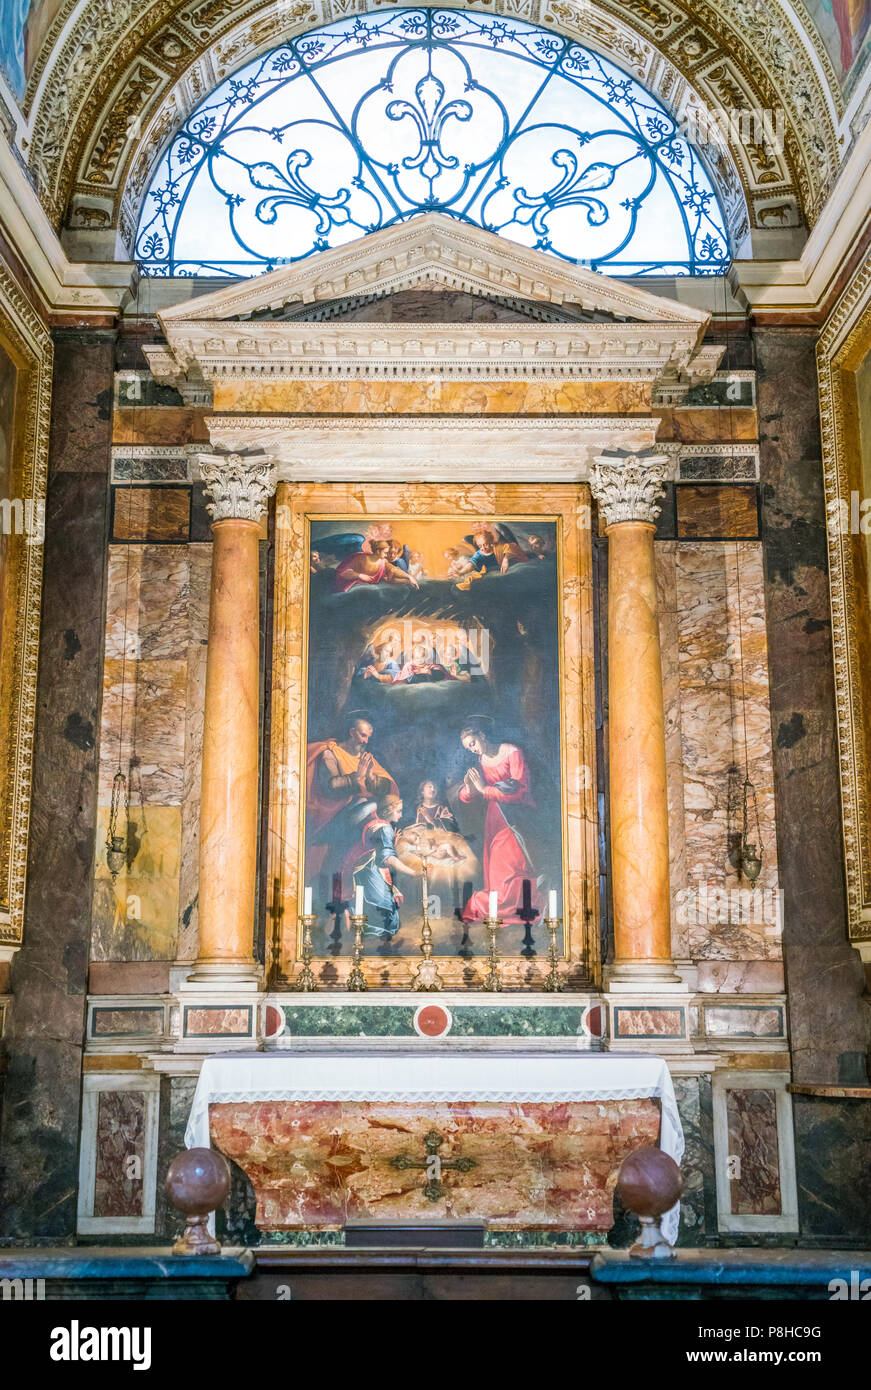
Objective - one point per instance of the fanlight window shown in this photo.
(364, 123)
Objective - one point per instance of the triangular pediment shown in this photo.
(429, 303)
(433, 251)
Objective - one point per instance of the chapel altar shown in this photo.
(436, 832)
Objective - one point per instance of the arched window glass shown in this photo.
(364, 123)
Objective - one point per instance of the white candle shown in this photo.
(358, 901)
(307, 903)
(493, 909)
(551, 903)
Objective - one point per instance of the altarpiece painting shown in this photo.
(432, 724)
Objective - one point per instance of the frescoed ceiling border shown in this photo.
(117, 76)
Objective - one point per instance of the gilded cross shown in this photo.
(433, 1164)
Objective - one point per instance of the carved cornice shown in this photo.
(238, 488)
(664, 354)
(845, 339)
(629, 489)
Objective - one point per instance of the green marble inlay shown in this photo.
(349, 1021)
(302, 1238)
(394, 1021)
(522, 1240)
(517, 1022)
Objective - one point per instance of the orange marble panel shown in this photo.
(160, 425)
(152, 514)
(706, 511)
(737, 424)
(537, 1165)
(434, 397)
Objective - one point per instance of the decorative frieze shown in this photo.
(432, 449)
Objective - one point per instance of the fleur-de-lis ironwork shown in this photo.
(329, 210)
(574, 189)
(390, 113)
(430, 116)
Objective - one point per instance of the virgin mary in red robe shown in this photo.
(501, 781)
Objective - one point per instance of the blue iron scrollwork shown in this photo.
(366, 122)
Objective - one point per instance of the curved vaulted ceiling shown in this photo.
(108, 81)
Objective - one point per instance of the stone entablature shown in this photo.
(651, 339)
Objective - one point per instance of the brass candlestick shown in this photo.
(305, 980)
(356, 979)
(552, 980)
(492, 981)
(427, 976)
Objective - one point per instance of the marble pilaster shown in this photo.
(45, 1029)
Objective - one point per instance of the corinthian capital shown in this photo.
(629, 489)
(239, 487)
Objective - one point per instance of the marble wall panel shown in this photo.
(649, 1023)
(115, 1023)
(151, 514)
(698, 1203)
(135, 917)
(123, 977)
(45, 1030)
(701, 638)
(705, 425)
(707, 511)
(833, 1160)
(433, 397)
(120, 1136)
(154, 677)
(143, 728)
(702, 467)
(754, 1185)
(744, 1021)
(217, 1022)
(153, 425)
(665, 553)
(725, 727)
(200, 570)
(829, 1021)
(146, 465)
(176, 1100)
(740, 977)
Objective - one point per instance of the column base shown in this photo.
(640, 975)
(226, 974)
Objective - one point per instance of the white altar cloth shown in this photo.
(438, 1076)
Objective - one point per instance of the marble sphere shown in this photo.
(649, 1182)
(198, 1181)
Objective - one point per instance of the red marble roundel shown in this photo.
(273, 1021)
(433, 1020)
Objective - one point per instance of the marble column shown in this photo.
(239, 490)
(628, 491)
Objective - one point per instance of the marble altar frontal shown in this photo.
(511, 1166)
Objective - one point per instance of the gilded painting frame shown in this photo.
(297, 504)
(27, 342)
(844, 344)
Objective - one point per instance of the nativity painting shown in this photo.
(433, 730)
